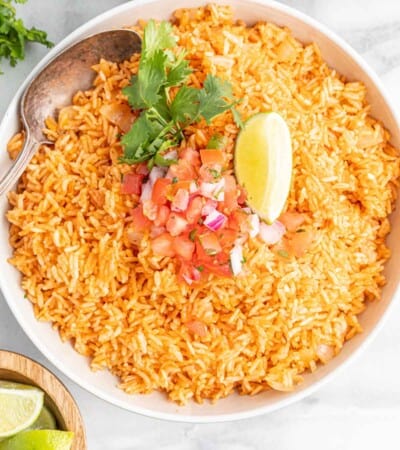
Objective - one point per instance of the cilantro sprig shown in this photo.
(14, 35)
(164, 116)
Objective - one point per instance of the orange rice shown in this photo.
(127, 311)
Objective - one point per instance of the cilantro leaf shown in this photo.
(132, 91)
(143, 132)
(213, 97)
(159, 158)
(144, 89)
(185, 105)
(237, 118)
(163, 116)
(157, 37)
(179, 70)
(14, 35)
(161, 108)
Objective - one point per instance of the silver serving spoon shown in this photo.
(53, 88)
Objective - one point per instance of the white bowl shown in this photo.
(338, 55)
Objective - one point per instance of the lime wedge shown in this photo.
(45, 421)
(39, 440)
(20, 406)
(263, 163)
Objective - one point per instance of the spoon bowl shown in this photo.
(53, 88)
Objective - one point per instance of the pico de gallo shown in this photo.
(195, 211)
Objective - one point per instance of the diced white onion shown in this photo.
(236, 258)
(156, 173)
(150, 209)
(209, 207)
(271, 234)
(146, 191)
(193, 188)
(172, 155)
(194, 275)
(215, 191)
(180, 201)
(188, 280)
(254, 222)
(215, 220)
(207, 189)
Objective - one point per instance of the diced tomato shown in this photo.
(211, 156)
(176, 224)
(292, 220)
(222, 270)
(191, 156)
(242, 195)
(227, 238)
(183, 247)
(139, 221)
(132, 183)
(162, 216)
(160, 191)
(193, 212)
(210, 243)
(201, 255)
(156, 231)
(179, 185)
(163, 245)
(142, 169)
(231, 193)
(183, 171)
(134, 236)
(180, 201)
(238, 220)
(197, 327)
(298, 243)
(188, 273)
(210, 173)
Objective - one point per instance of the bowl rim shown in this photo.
(68, 409)
(81, 32)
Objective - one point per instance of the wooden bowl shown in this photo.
(18, 368)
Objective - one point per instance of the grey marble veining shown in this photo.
(360, 408)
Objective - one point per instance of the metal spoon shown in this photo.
(53, 88)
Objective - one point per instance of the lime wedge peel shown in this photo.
(20, 406)
(39, 440)
(263, 163)
(45, 421)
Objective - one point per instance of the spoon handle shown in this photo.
(17, 169)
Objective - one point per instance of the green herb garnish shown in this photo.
(215, 173)
(162, 120)
(200, 268)
(283, 253)
(14, 35)
(216, 142)
(192, 235)
(237, 118)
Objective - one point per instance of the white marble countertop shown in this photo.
(360, 408)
